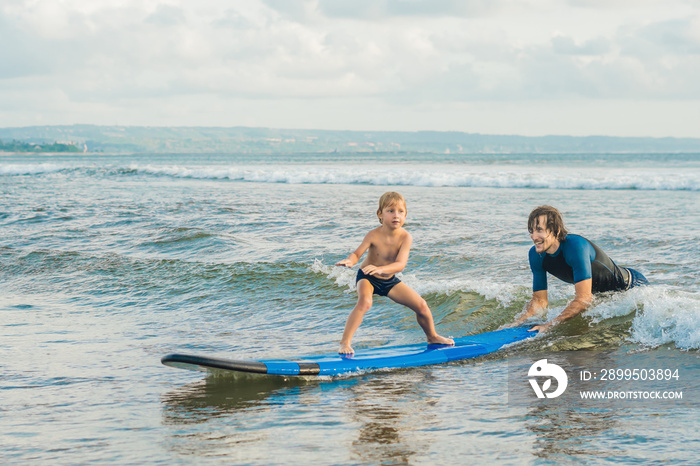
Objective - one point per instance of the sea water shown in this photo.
(109, 262)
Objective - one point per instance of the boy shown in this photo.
(388, 246)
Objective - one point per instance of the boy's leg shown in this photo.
(405, 295)
(364, 303)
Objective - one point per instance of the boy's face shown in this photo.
(394, 215)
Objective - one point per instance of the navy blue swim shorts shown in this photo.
(382, 286)
(636, 278)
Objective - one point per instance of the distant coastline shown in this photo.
(245, 140)
(15, 146)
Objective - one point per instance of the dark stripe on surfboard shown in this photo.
(183, 360)
(308, 368)
(187, 361)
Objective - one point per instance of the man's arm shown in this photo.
(538, 302)
(583, 299)
(539, 299)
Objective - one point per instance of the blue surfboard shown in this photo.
(422, 354)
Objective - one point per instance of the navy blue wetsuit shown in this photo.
(578, 259)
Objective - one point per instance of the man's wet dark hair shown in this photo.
(554, 222)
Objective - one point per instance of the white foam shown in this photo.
(435, 175)
(504, 294)
(442, 176)
(31, 169)
(342, 276)
(662, 315)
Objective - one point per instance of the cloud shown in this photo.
(296, 10)
(678, 37)
(567, 45)
(166, 15)
(407, 55)
(22, 58)
(385, 9)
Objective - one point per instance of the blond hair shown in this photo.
(388, 199)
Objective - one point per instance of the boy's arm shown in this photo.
(354, 257)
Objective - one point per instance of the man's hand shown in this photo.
(542, 328)
(536, 304)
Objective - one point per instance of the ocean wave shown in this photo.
(31, 169)
(659, 316)
(440, 176)
(505, 295)
(410, 174)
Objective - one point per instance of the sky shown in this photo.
(532, 68)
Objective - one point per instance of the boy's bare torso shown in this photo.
(384, 248)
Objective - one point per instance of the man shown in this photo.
(573, 259)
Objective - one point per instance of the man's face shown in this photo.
(544, 239)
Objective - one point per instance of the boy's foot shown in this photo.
(438, 340)
(345, 349)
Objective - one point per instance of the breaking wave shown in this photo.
(431, 175)
(440, 176)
